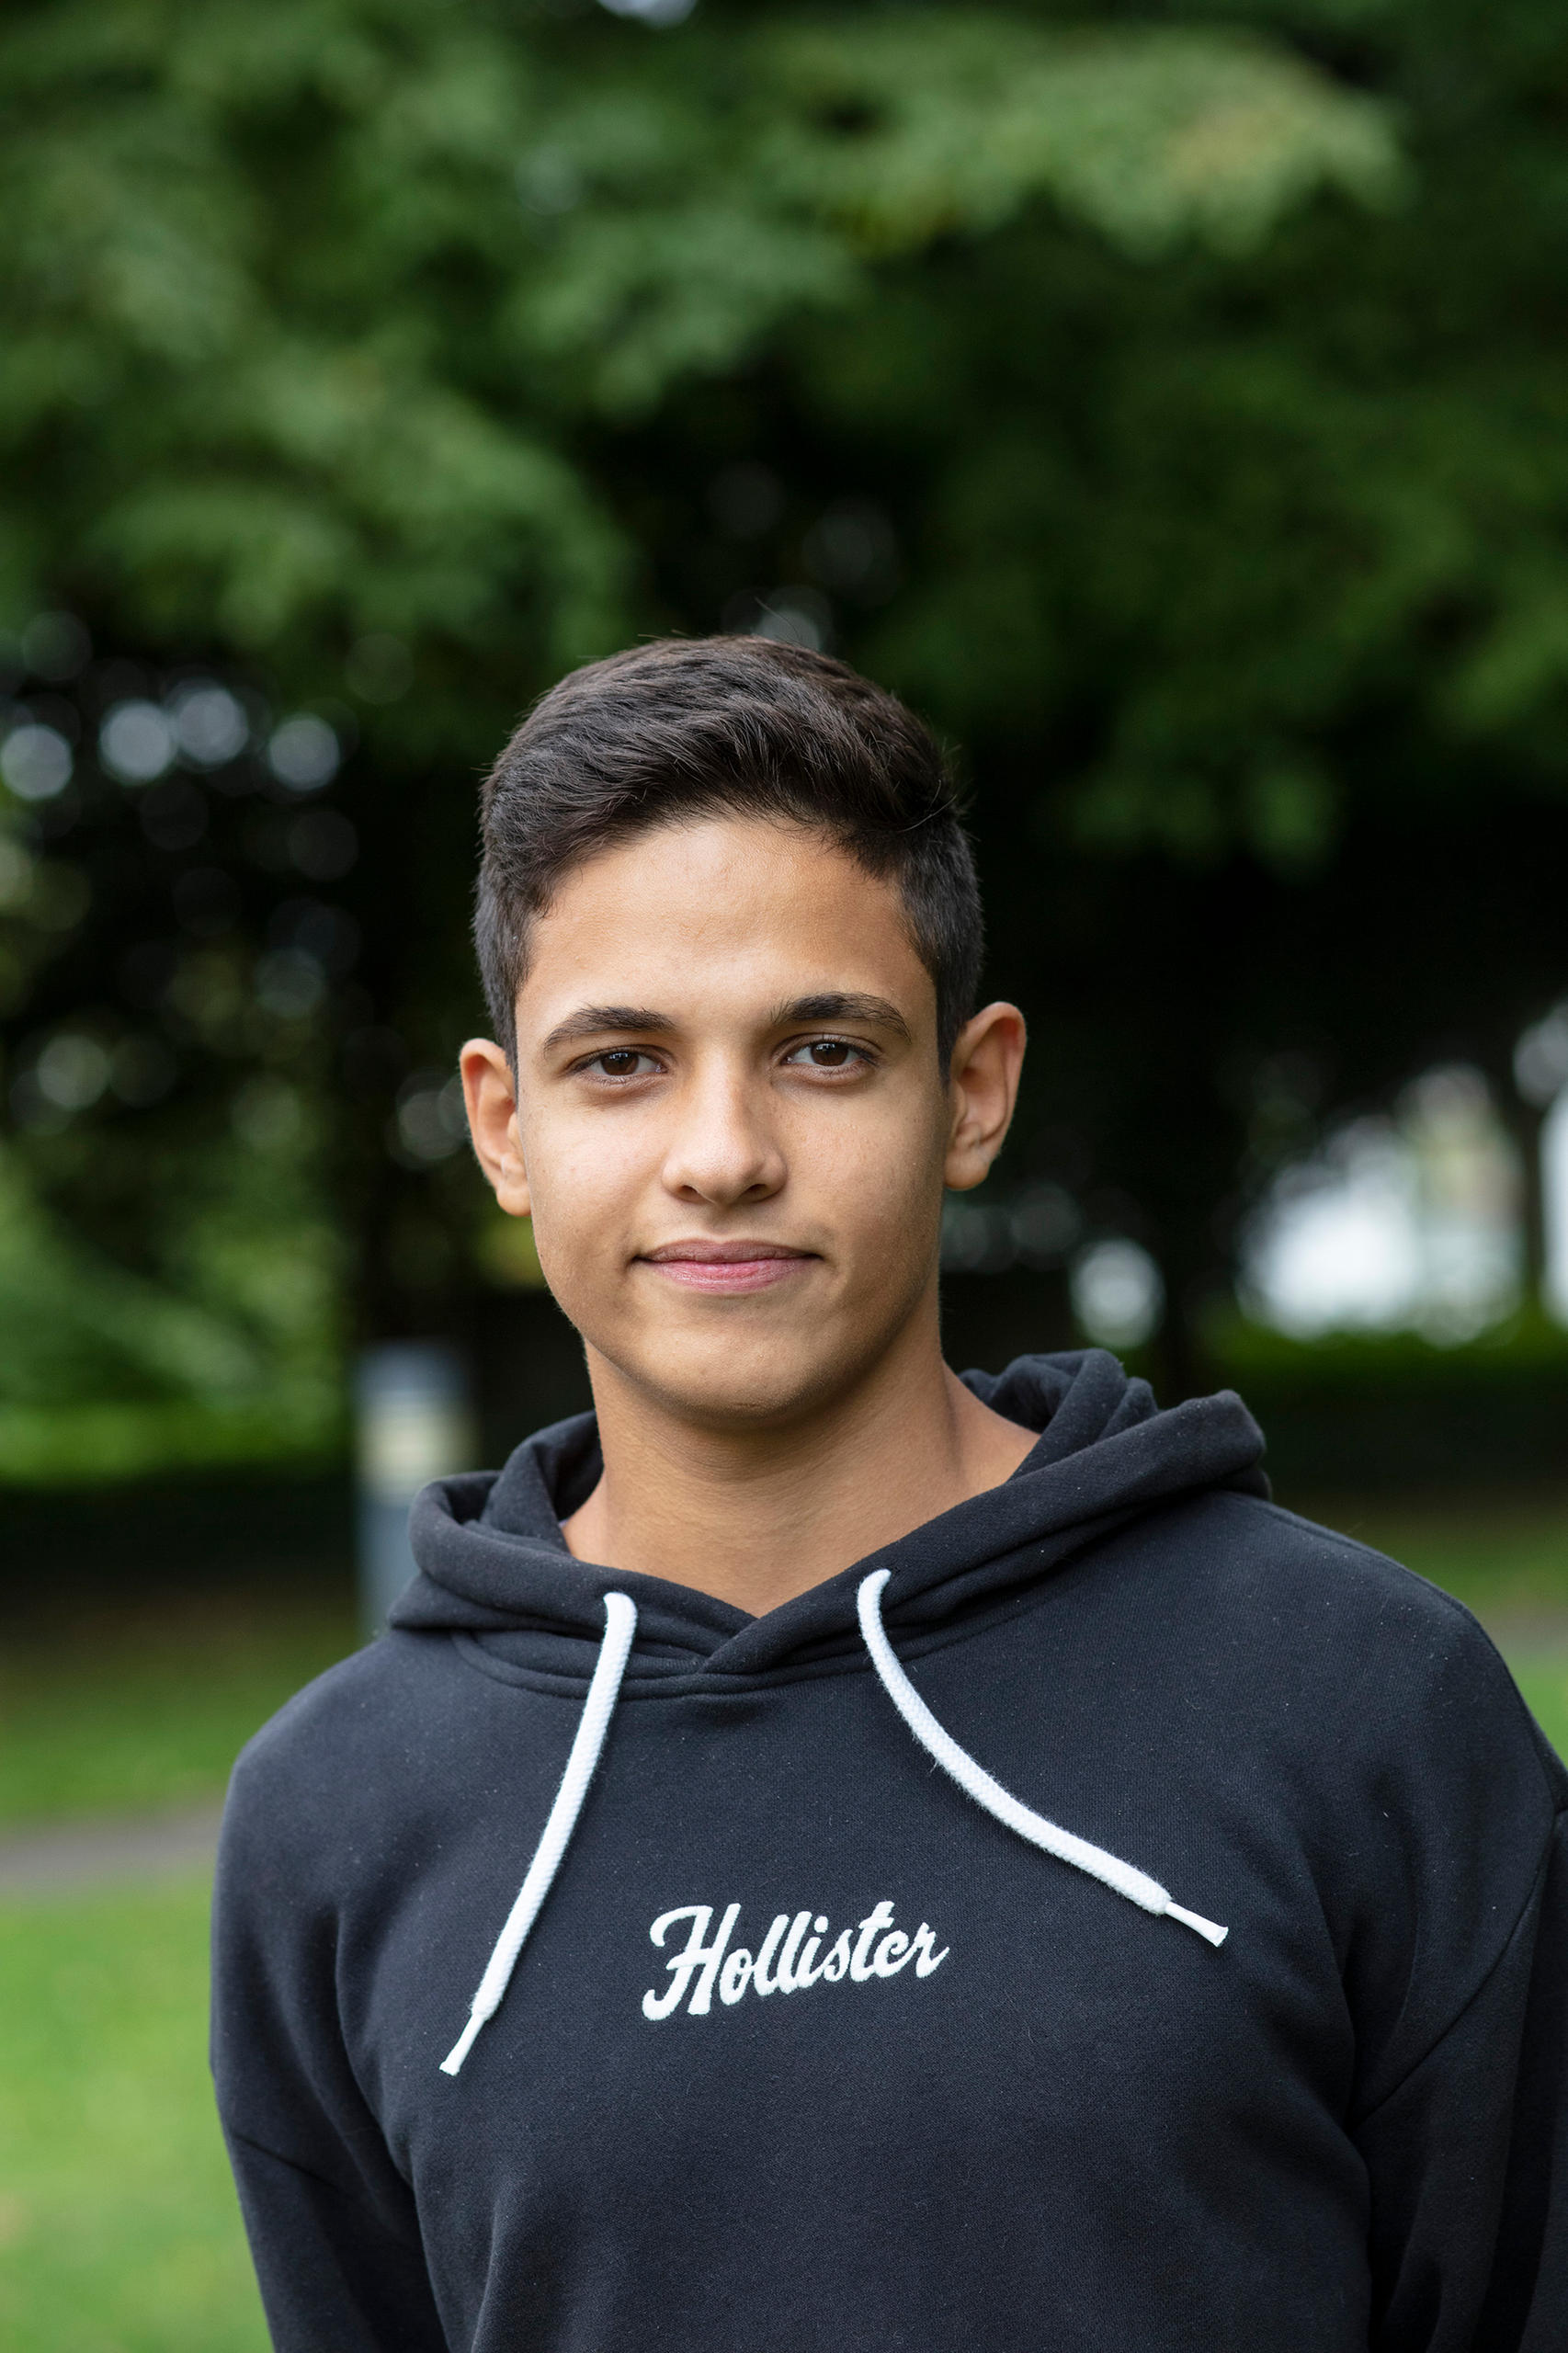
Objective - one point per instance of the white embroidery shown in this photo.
(787, 1960)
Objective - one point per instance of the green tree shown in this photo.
(1170, 408)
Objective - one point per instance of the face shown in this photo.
(730, 1126)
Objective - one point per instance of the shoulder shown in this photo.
(339, 1711)
(340, 1761)
(1350, 1677)
(1263, 1544)
(1326, 1599)
(1428, 1798)
(1334, 1672)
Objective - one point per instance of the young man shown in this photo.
(830, 1855)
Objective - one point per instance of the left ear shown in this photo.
(987, 1061)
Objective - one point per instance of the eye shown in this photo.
(621, 1062)
(826, 1053)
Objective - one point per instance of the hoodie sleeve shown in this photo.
(1467, 2156)
(332, 2223)
(333, 2269)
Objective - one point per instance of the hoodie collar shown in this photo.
(492, 1559)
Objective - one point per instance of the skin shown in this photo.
(732, 1130)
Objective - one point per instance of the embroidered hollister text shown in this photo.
(794, 1955)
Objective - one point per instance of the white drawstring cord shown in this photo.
(1136, 1886)
(620, 1624)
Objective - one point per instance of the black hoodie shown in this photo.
(813, 2045)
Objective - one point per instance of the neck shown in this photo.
(756, 1517)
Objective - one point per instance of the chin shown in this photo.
(727, 1388)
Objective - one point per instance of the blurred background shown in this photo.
(1171, 401)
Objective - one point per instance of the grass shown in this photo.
(122, 1711)
(1543, 1680)
(119, 2229)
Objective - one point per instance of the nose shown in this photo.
(724, 1150)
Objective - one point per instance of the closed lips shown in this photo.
(727, 1266)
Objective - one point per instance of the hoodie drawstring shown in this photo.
(1110, 1869)
(620, 1624)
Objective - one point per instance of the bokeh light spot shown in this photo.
(210, 723)
(72, 1070)
(1118, 1293)
(35, 762)
(431, 1121)
(657, 12)
(136, 742)
(289, 984)
(303, 752)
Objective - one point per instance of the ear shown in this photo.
(987, 1061)
(492, 1122)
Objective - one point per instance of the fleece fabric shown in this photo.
(808, 2053)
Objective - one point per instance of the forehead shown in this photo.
(721, 913)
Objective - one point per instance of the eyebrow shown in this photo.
(594, 1021)
(841, 1004)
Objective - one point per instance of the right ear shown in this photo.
(492, 1103)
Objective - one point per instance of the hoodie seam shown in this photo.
(322, 2181)
(1365, 2116)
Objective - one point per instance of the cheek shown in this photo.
(582, 1179)
(877, 1176)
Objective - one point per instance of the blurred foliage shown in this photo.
(1522, 1352)
(221, 1345)
(1374, 1412)
(129, 1711)
(303, 307)
(1172, 408)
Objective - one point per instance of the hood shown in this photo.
(493, 1560)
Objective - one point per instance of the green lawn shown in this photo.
(1542, 1676)
(119, 2231)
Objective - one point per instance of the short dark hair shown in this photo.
(684, 727)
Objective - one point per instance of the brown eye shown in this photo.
(826, 1053)
(621, 1062)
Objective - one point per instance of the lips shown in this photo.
(728, 1269)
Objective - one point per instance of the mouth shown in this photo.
(728, 1268)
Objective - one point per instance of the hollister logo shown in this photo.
(787, 1960)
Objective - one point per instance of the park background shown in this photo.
(1171, 401)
